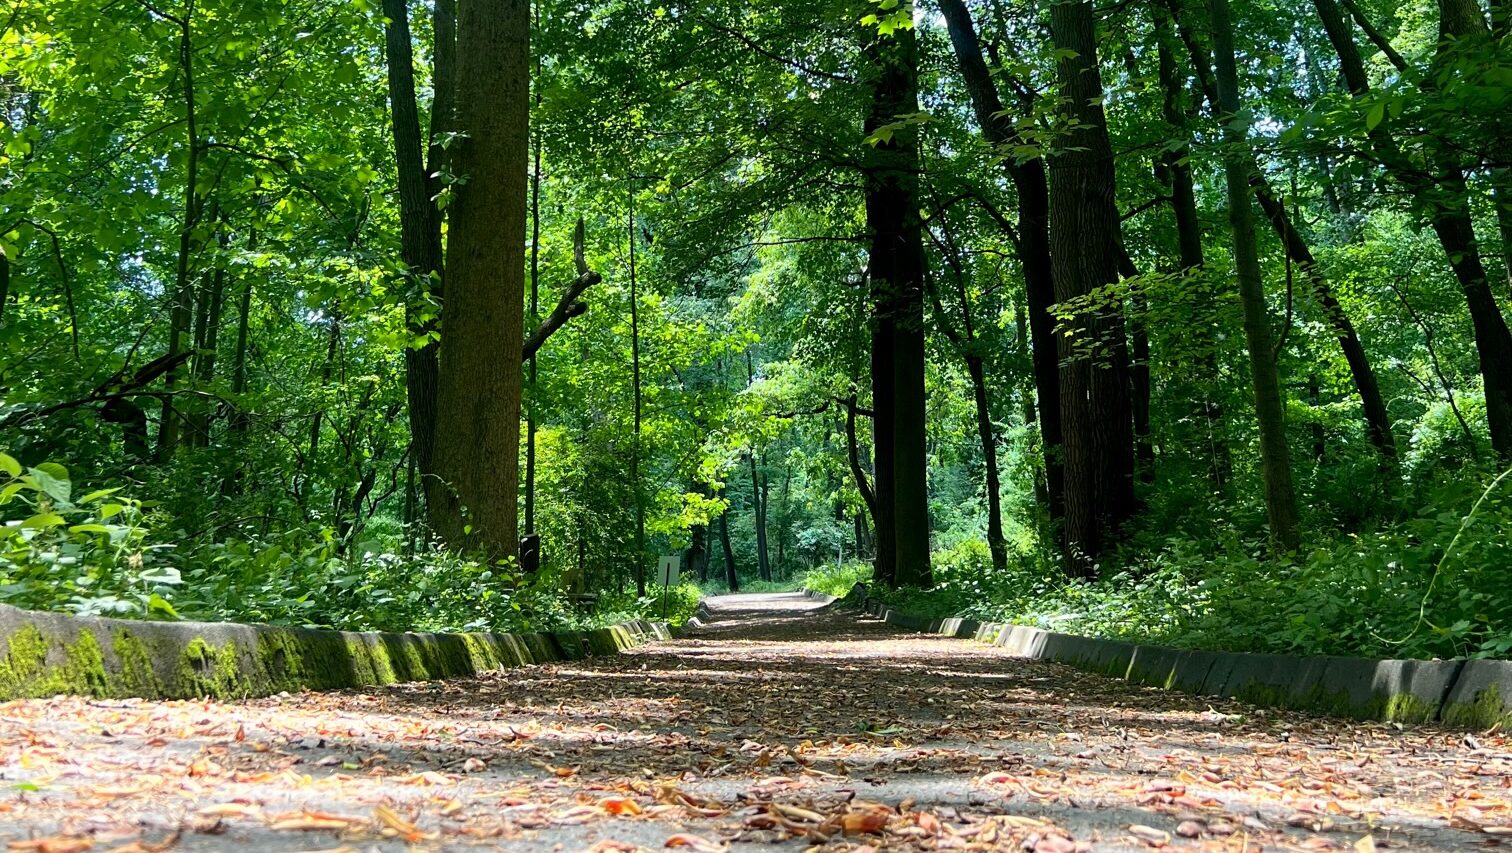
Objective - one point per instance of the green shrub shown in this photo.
(830, 579)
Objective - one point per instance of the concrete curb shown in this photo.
(44, 654)
(1473, 694)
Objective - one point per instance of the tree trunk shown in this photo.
(1174, 170)
(419, 235)
(965, 341)
(239, 420)
(477, 456)
(697, 554)
(853, 457)
(535, 314)
(1446, 196)
(1033, 242)
(732, 577)
(782, 521)
(1275, 459)
(635, 382)
(1377, 420)
(211, 304)
(758, 512)
(896, 266)
(997, 544)
(179, 308)
(1095, 400)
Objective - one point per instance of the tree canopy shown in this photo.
(1182, 319)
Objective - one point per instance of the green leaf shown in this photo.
(42, 521)
(1375, 116)
(9, 465)
(52, 479)
(89, 528)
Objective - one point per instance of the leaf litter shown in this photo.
(773, 728)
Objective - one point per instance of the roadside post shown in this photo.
(666, 569)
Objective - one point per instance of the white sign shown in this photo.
(666, 569)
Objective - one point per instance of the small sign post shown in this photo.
(666, 571)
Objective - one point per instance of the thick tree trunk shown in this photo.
(1275, 459)
(896, 266)
(1086, 246)
(1033, 243)
(478, 398)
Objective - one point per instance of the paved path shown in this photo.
(780, 726)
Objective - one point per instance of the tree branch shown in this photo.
(568, 306)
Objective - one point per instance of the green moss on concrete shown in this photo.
(24, 662)
(1487, 710)
(27, 671)
(135, 674)
(209, 671)
(48, 654)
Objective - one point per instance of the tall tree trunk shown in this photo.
(635, 383)
(965, 341)
(1033, 242)
(1377, 420)
(1446, 196)
(853, 458)
(759, 516)
(1174, 169)
(732, 577)
(885, 566)
(179, 309)
(997, 543)
(1085, 247)
(782, 522)
(478, 398)
(697, 557)
(1275, 459)
(239, 419)
(210, 304)
(698, 552)
(535, 303)
(419, 232)
(896, 266)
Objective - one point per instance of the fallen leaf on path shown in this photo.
(694, 843)
(54, 844)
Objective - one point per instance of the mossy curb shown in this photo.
(45, 654)
(1473, 694)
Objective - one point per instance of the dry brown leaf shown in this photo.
(52, 844)
(694, 843)
(863, 823)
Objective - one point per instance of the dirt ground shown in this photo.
(779, 726)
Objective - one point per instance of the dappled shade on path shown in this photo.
(777, 723)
